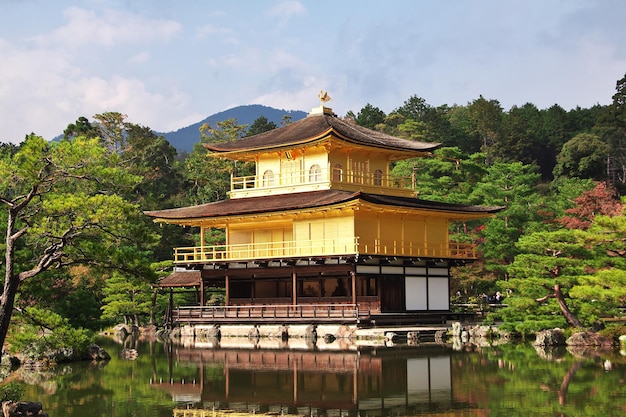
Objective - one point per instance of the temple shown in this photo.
(322, 232)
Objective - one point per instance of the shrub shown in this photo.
(46, 334)
(613, 331)
(11, 392)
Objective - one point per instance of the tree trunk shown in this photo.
(155, 292)
(7, 301)
(569, 316)
(11, 281)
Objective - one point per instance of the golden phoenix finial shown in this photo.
(324, 97)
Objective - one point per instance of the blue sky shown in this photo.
(167, 64)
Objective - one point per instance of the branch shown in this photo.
(53, 254)
(542, 299)
(549, 288)
(616, 252)
(33, 319)
(15, 236)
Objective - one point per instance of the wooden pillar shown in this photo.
(202, 294)
(170, 311)
(227, 290)
(294, 289)
(353, 280)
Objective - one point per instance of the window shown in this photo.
(366, 286)
(315, 173)
(240, 288)
(309, 288)
(268, 178)
(338, 173)
(378, 177)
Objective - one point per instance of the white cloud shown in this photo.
(86, 27)
(300, 97)
(286, 9)
(140, 58)
(46, 83)
(208, 29)
(281, 14)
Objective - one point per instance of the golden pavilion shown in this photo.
(322, 232)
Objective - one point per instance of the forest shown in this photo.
(80, 255)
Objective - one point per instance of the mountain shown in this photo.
(185, 138)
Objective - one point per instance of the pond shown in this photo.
(428, 380)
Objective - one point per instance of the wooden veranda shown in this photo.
(307, 313)
(283, 313)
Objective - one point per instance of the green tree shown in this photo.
(512, 186)
(152, 158)
(523, 139)
(61, 209)
(82, 127)
(548, 265)
(209, 177)
(556, 131)
(260, 125)
(370, 116)
(112, 127)
(128, 297)
(485, 122)
(74, 293)
(418, 120)
(414, 108)
(461, 132)
(448, 176)
(611, 127)
(44, 333)
(583, 156)
(579, 273)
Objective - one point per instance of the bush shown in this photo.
(11, 392)
(45, 334)
(613, 331)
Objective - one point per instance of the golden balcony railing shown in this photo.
(322, 247)
(267, 250)
(322, 178)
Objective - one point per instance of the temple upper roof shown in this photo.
(316, 127)
(308, 200)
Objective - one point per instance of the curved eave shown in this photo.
(250, 153)
(220, 213)
(223, 221)
(314, 129)
(330, 136)
(450, 214)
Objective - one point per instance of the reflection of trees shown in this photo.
(567, 379)
(515, 377)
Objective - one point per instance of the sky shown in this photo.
(167, 64)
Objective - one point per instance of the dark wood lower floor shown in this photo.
(326, 290)
(306, 313)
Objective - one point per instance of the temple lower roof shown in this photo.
(308, 200)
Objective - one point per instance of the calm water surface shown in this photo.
(168, 380)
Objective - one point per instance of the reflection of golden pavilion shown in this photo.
(313, 382)
(323, 232)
